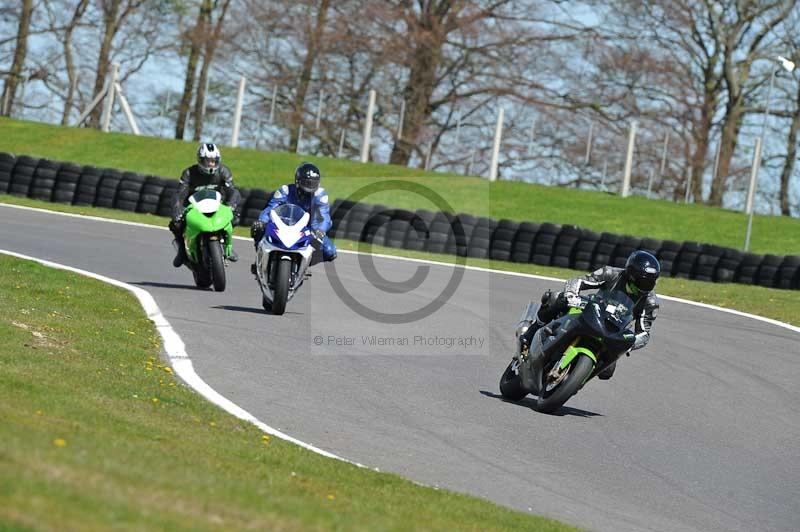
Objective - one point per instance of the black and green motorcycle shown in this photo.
(566, 353)
(208, 238)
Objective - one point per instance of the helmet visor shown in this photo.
(645, 284)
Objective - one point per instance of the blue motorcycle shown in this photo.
(283, 255)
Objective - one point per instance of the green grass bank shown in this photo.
(98, 434)
(504, 199)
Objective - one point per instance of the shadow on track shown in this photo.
(171, 285)
(530, 403)
(252, 310)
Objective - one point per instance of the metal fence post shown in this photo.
(625, 190)
(341, 146)
(368, 127)
(400, 122)
(237, 114)
(272, 105)
(109, 103)
(319, 109)
(299, 138)
(751, 192)
(498, 134)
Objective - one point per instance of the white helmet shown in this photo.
(208, 158)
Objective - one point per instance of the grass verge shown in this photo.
(98, 434)
(503, 199)
(782, 305)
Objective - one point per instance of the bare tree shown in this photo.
(15, 74)
(197, 35)
(211, 44)
(114, 14)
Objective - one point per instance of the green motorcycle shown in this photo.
(208, 238)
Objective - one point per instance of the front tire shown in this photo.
(216, 264)
(511, 383)
(550, 401)
(281, 293)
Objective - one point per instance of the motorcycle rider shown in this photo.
(637, 280)
(207, 173)
(309, 196)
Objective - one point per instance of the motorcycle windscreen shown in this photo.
(289, 213)
(206, 200)
(616, 308)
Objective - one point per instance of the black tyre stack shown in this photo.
(706, 263)
(151, 194)
(545, 244)
(481, 240)
(441, 237)
(419, 231)
(167, 196)
(605, 249)
(86, 193)
(583, 255)
(7, 161)
(748, 269)
(129, 191)
(503, 240)
(375, 227)
(466, 222)
(44, 180)
(522, 250)
(667, 255)
(251, 206)
(107, 188)
(768, 270)
(728, 265)
(22, 175)
(564, 250)
(67, 179)
(788, 275)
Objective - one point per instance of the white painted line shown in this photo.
(444, 264)
(176, 351)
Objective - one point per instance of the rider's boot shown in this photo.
(180, 255)
(233, 257)
(608, 372)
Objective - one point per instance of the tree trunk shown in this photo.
(191, 68)
(305, 74)
(701, 142)
(110, 13)
(791, 155)
(208, 59)
(69, 63)
(417, 95)
(21, 50)
(730, 134)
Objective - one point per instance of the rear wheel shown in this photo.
(511, 383)
(281, 292)
(216, 264)
(554, 395)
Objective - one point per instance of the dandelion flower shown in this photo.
(60, 442)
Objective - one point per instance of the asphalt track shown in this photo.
(698, 432)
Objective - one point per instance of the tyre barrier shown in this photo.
(547, 244)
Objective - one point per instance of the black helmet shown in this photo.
(306, 178)
(642, 269)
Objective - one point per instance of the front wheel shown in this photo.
(281, 293)
(551, 399)
(511, 383)
(217, 264)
